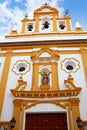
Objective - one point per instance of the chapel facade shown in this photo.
(43, 73)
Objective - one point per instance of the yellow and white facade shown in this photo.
(47, 44)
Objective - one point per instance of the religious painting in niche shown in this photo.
(45, 79)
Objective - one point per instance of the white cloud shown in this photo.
(31, 5)
(10, 15)
(18, 0)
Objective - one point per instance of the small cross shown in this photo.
(66, 12)
(45, 4)
(26, 14)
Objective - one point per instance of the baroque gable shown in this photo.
(45, 9)
(38, 55)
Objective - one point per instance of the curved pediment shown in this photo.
(44, 9)
(45, 54)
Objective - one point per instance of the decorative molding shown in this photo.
(46, 94)
(72, 62)
(4, 125)
(69, 83)
(84, 125)
(44, 87)
(53, 55)
(58, 103)
(69, 104)
(59, 43)
(64, 103)
(21, 63)
(71, 90)
(41, 10)
(21, 85)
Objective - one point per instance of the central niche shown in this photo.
(45, 70)
(45, 79)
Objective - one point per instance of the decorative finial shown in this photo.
(78, 24)
(66, 12)
(26, 14)
(45, 4)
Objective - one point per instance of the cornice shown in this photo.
(70, 43)
(46, 94)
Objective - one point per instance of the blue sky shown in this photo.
(12, 11)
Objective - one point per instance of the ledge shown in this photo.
(46, 94)
(60, 43)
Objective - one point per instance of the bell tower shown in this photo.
(43, 69)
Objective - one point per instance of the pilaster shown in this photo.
(68, 23)
(54, 22)
(24, 21)
(69, 117)
(16, 113)
(83, 52)
(75, 111)
(55, 84)
(35, 76)
(4, 78)
(22, 119)
(36, 22)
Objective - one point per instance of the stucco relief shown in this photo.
(21, 67)
(52, 55)
(70, 65)
(45, 78)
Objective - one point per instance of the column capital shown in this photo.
(74, 101)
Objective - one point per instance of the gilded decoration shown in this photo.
(71, 90)
(69, 83)
(42, 10)
(70, 65)
(69, 105)
(4, 125)
(53, 55)
(46, 94)
(21, 67)
(43, 61)
(56, 102)
(45, 72)
(45, 80)
(64, 103)
(21, 85)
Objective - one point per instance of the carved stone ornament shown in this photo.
(53, 55)
(21, 67)
(71, 90)
(45, 91)
(70, 65)
(69, 83)
(45, 79)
